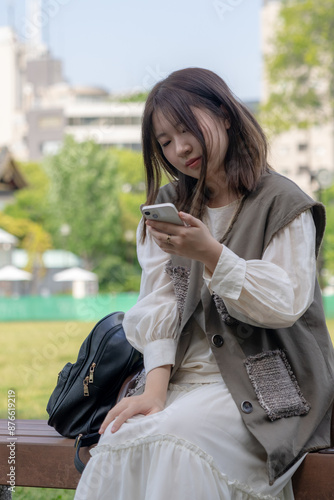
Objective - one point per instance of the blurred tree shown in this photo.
(32, 238)
(136, 97)
(131, 194)
(31, 202)
(301, 67)
(95, 195)
(88, 199)
(83, 199)
(328, 244)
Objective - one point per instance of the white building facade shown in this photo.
(38, 107)
(303, 155)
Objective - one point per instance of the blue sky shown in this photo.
(128, 45)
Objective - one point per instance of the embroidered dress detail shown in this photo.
(138, 383)
(221, 308)
(180, 277)
(276, 386)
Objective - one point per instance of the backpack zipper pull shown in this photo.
(85, 384)
(91, 373)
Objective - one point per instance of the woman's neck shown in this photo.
(220, 196)
(222, 201)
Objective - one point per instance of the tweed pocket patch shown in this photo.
(275, 385)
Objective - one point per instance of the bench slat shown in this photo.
(43, 457)
(314, 479)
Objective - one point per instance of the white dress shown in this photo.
(198, 447)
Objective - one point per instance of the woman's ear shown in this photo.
(227, 124)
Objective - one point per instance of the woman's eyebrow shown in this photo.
(160, 135)
(176, 125)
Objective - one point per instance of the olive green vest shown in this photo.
(282, 380)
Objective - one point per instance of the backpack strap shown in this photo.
(81, 441)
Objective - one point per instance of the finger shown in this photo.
(190, 220)
(109, 418)
(111, 415)
(161, 239)
(163, 227)
(119, 421)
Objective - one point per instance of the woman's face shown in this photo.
(182, 149)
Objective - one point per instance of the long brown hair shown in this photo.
(175, 97)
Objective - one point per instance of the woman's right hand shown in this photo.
(151, 401)
(144, 404)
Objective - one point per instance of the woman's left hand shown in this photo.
(193, 240)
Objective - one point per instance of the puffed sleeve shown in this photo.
(151, 326)
(275, 291)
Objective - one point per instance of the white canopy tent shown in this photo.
(12, 273)
(80, 278)
(7, 238)
(13, 281)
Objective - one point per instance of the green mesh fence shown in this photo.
(328, 301)
(64, 307)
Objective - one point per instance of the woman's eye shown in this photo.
(165, 144)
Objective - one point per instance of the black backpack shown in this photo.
(87, 389)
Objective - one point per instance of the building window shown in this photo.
(302, 146)
(320, 150)
(283, 150)
(50, 122)
(303, 169)
(103, 121)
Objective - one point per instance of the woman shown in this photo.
(239, 363)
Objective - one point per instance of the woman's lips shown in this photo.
(193, 162)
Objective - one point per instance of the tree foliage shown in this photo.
(31, 202)
(300, 69)
(32, 237)
(94, 194)
(84, 199)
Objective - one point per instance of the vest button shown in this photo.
(246, 407)
(217, 340)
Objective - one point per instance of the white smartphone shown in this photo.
(163, 212)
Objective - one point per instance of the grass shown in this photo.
(42, 494)
(31, 355)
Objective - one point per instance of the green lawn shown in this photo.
(31, 355)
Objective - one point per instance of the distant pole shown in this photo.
(11, 13)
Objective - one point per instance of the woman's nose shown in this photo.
(183, 148)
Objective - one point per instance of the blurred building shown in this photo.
(38, 107)
(301, 154)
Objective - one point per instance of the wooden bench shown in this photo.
(44, 458)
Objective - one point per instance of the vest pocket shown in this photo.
(275, 385)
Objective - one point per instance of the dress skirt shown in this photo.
(197, 448)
